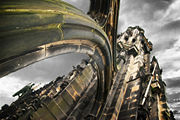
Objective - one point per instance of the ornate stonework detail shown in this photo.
(117, 82)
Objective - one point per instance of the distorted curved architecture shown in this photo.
(119, 81)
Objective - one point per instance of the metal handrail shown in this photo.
(147, 89)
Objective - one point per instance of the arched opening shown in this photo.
(40, 73)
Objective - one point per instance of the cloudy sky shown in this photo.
(161, 21)
(40, 73)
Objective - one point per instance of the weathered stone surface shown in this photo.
(117, 82)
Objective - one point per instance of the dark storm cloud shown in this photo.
(173, 82)
(173, 26)
(149, 14)
(159, 19)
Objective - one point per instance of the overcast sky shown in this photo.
(159, 18)
(161, 21)
(40, 73)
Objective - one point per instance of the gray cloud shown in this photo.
(159, 18)
(142, 12)
(173, 82)
(144, 9)
(151, 15)
(5, 99)
(80, 4)
(173, 25)
(161, 21)
(169, 66)
(173, 97)
(48, 69)
(170, 42)
(40, 72)
(159, 4)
